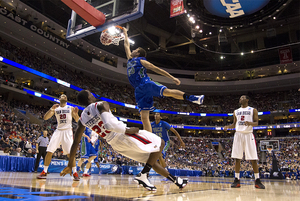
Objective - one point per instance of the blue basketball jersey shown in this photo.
(136, 72)
(87, 132)
(161, 129)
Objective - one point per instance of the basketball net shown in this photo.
(112, 35)
(269, 150)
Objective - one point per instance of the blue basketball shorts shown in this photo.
(87, 150)
(166, 147)
(145, 92)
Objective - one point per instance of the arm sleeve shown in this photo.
(111, 123)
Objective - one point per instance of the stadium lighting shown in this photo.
(191, 19)
(197, 27)
(131, 41)
(242, 53)
(112, 30)
(1, 58)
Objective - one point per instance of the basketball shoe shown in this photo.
(142, 180)
(196, 99)
(236, 183)
(43, 175)
(258, 184)
(76, 177)
(181, 183)
(86, 175)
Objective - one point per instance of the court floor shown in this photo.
(25, 186)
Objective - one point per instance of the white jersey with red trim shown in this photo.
(90, 117)
(64, 117)
(242, 115)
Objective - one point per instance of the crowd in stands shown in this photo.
(213, 104)
(18, 137)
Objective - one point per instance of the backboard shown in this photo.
(265, 144)
(116, 12)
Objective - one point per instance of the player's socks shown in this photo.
(146, 169)
(237, 175)
(74, 169)
(78, 169)
(256, 175)
(46, 168)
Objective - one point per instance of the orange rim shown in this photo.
(117, 26)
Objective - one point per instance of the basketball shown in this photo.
(106, 38)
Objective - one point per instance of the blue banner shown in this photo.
(57, 165)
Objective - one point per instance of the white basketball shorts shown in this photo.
(244, 142)
(63, 138)
(138, 146)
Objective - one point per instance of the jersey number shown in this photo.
(62, 116)
(242, 118)
(97, 129)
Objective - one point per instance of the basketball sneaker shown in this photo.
(258, 184)
(196, 99)
(43, 175)
(142, 180)
(76, 177)
(236, 183)
(86, 175)
(181, 183)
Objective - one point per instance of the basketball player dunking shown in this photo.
(139, 145)
(145, 88)
(244, 119)
(63, 134)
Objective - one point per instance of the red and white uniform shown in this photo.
(244, 140)
(134, 146)
(63, 135)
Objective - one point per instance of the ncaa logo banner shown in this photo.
(234, 8)
(176, 8)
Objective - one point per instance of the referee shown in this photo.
(41, 147)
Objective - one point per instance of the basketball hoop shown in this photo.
(112, 35)
(270, 150)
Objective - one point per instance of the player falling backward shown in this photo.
(244, 141)
(139, 145)
(63, 135)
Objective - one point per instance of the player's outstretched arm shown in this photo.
(178, 136)
(160, 71)
(50, 112)
(77, 138)
(126, 44)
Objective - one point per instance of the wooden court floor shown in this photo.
(25, 186)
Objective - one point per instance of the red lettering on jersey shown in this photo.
(242, 118)
(97, 129)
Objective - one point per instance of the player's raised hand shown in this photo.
(67, 170)
(225, 128)
(55, 106)
(76, 109)
(177, 81)
(124, 30)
